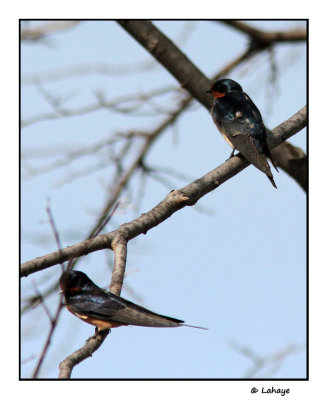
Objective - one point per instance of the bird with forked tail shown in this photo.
(104, 309)
(240, 123)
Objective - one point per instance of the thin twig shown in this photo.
(53, 320)
(114, 105)
(266, 37)
(260, 362)
(37, 33)
(53, 325)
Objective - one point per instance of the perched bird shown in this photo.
(105, 310)
(240, 123)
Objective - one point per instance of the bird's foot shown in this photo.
(231, 155)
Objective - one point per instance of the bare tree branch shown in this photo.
(267, 38)
(260, 362)
(138, 100)
(53, 320)
(174, 201)
(119, 246)
(86, 69)
(46, 29)
(93, 344)
(102, 67)
(293, 161)
(171, 57)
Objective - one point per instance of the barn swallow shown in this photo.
(240, 123)
(105, 310)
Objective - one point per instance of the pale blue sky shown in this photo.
(239, 269)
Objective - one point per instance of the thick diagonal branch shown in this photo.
(171, 57)
(173, 202)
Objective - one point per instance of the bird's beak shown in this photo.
(208, 91)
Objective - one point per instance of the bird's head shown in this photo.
(224, 86)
